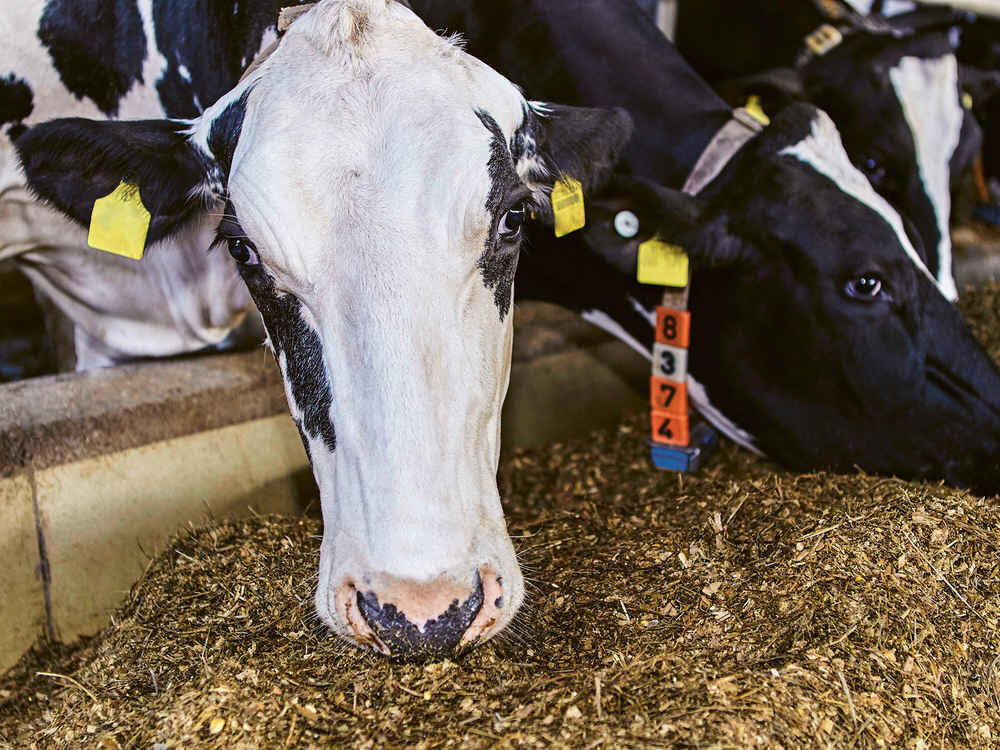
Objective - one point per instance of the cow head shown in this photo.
(897, 102)
(372, 181)
(818, 335)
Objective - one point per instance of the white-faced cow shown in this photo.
(892, 87)
(818, 334)
(372, 180)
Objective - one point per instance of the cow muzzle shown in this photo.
(421, 620)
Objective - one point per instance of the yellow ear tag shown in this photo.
(662, 264)
(119, 222)
(757, 112)
(824, 39)
(967, 101)
(567, 206)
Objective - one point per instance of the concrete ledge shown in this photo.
(104, 518)
(99, 470)
(23, 614)
(57, 419)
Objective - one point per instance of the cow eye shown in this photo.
(866, 287)
(874, 171)
(243, 252)
(512, 221)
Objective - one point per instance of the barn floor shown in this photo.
(743, 605)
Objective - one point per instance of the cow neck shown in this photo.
(740, 129)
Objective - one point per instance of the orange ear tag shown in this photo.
(668, 396)
(670, 429)
(673, 327)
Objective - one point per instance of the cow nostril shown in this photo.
(438, 636)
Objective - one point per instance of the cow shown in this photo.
(371, 182)
(892, 87)
(819, 336)
(979, 55)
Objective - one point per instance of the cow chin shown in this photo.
(413, 613)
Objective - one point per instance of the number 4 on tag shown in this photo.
(670, 428)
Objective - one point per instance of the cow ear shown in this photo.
(775, 89)
(686, 220)
(72, 162)
(584, 143)
(656, 211)
(712, 244)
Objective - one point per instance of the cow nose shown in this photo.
(422, 620)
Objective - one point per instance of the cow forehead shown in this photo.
(392, 138)
(823, 151)
(353, 103)
(386, 57)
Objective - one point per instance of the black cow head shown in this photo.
(816, 332)
(897, 101)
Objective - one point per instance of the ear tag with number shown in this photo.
(661, 263)
(824, 39)
(119, 222)
(567, 206)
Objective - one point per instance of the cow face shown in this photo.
(903, 124)
(373, 181)
(818, 335)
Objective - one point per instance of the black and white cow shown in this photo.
(818, 334)
(371, 181)
(893, 89)
(979, 54)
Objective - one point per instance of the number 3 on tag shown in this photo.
(670, 362)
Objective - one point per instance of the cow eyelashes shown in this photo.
(512, 222)
(243, 252)
(866, 287)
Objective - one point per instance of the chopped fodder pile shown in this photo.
(744, 605)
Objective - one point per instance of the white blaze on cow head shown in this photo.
(901, 120)
(375, 179)
(928, 93)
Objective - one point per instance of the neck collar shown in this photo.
(742, 127)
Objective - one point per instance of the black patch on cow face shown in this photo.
(225, 133)
(498, 263)
(202, 63)
(98, 47)
(16, 102)
(291, 335)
